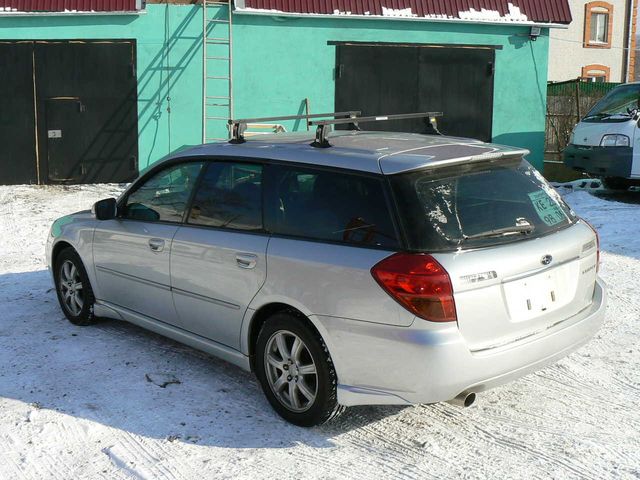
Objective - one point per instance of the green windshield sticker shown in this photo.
(547, 208)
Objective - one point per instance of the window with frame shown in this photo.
(229, 196)
(598, 25)
(596, 73)
(164, 196)
(328, 205)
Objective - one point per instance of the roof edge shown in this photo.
(242, 10)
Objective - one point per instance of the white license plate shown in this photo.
(533, 296)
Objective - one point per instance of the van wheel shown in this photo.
(73, 288)
(616, 183)
(295, 371)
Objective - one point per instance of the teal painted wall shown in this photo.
(169, 66)
(280, 61)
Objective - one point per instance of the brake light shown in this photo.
(597, 243)
(418, 283)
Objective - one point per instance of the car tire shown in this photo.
(301, 384)
(73, 288)
(616, 183)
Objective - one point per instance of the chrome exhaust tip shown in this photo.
(464, 399)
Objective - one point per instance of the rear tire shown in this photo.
(616, 183)
(295, 371)
(73, 288)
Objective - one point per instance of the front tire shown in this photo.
(73, 288)
(295, 371)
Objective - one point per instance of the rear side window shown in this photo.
(477, 205)
(229, 196)
(164, 196)
(324, 205)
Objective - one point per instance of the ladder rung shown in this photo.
(218, 41)
(218, 58)
(217, 78)
(217, 20)
(217, 104)
(218, 98)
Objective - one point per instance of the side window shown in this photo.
(164, 196)
(229, 196)
(331, 206)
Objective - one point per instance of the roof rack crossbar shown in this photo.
(321, 125)
(238, 126)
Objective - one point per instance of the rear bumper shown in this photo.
(601, 161)
(429, 363)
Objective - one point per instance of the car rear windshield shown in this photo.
(478, 205)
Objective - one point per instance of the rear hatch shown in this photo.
(519, 259)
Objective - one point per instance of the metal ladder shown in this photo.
(217, 69)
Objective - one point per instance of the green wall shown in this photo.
(278, 62)
(169, 66)
(268, 82)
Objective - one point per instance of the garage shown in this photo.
(69, 111)
(399, 78)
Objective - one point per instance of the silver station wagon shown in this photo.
(355, 268)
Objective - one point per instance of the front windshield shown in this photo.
(617, 104)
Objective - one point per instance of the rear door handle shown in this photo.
(246, 260)
(156, 244)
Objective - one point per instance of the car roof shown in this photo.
(375, 152)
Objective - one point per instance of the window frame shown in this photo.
(267, 178)
(603, 71)
(237, 160)
(591, 9)
(388, 201)
(122, 201)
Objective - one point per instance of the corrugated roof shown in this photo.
(514, 11)
(68, 5)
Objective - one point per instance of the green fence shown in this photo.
(567, 103)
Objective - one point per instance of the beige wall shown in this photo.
(567, 55)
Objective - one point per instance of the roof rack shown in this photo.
(321, 130)
(239, 126)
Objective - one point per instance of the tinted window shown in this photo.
(476, 206)
(229, 195)
(330, 206)
(164, 196)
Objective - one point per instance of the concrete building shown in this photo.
(598, 45)
(97, 90)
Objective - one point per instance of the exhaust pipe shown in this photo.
(464, 399)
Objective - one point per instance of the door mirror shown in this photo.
(105, 209)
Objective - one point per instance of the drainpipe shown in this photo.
(629, 41)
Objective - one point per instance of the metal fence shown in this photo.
(567, 103)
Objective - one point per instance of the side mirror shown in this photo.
(105, 209)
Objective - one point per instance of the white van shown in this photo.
(603, 143)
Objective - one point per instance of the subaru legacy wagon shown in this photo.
(386, 268)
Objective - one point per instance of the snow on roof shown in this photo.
(481, 11)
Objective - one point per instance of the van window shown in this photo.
(229, 196)
(472, 206)
(324, 205)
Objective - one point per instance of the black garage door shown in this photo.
(385, 79)
(76, 105)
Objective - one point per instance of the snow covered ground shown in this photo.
(76, 402)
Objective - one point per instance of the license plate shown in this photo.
(533, 296)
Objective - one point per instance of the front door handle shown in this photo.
(246, 260)
(156, 244)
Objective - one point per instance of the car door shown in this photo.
(131, 252)
(218, 258)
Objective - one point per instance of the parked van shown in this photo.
(604, 143)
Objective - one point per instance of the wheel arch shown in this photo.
(257, 318)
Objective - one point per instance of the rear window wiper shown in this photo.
(501, 232)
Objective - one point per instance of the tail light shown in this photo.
(597, 243)
(418, 283)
